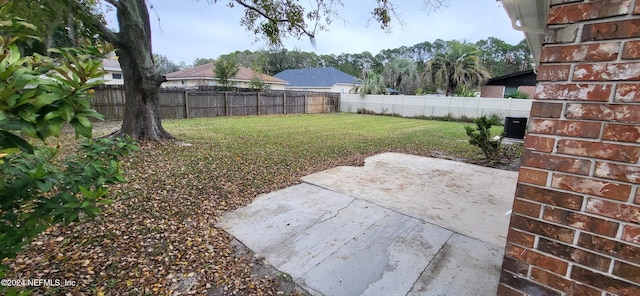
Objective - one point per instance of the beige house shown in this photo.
(114, 72)
(203, 76)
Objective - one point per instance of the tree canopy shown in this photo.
(401, 68)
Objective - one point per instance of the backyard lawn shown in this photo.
(160, 229)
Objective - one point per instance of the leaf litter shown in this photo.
(159, 237)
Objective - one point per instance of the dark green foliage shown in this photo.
(37, 190)
(38, 97)
(518, 95)
(480, 136)
(224, 70)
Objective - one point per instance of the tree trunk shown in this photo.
(141, 78)
(142, 103)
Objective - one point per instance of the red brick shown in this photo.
(631, 50)
(622, 132)
(610, 151)
(610, 247)
(561, 35)
(590, 186)
(606, 72)
(542, 126)
(631, 233)
(579, 129)
(604, 282)
(504, 290)
(618, 172)
(537, 143)
(573, 92)
(532, 176)
(549, 197)
(597, 52)
(553, 72)
(637, 9)
(606, 112)
(563, 284)
(627, 271)
(525, 285)
(573, 13)
(554, 162)
(526, 208)
(538, 259)
(542, 228)
(611, 30)
(546, 109)
(574, 255)
(581, 221)
(515, 266)
(627, 93)
(611, 209)
(520, 238)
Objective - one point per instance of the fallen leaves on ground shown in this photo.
(159, 236)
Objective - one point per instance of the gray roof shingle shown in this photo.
(316, 77)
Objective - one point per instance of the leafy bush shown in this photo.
(518, 95)
(38, 96)
(37, 191)
(480, 136)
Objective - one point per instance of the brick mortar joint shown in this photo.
(591, 177)
(574, 245)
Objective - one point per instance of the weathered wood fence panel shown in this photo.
(181, 103)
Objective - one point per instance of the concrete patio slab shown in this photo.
(400, 225)
(454, 195)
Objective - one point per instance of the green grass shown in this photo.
(324, 135)
(165, 215)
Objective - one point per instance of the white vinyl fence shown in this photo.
(434, 105)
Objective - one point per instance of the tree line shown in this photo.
(402, 68)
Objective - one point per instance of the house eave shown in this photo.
(529, 17)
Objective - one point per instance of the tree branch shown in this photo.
(277, 20)
(107, 33)
(115, 3)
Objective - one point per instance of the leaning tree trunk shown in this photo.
(141, 78)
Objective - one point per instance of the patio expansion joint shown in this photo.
(435, 257)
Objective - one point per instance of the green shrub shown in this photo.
(38, 96)
(518, 95)
(481, 137)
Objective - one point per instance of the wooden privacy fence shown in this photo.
(180, 103)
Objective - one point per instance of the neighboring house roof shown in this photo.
(111, 65)
(206, 72)
(316, 77)
(519, 78)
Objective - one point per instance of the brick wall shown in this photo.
(529, 90)
(575, 227)
(492, 91)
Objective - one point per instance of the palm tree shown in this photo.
(459, 65)
(371, 84)
(400, 74)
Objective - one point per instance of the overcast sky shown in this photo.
(190, 29)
